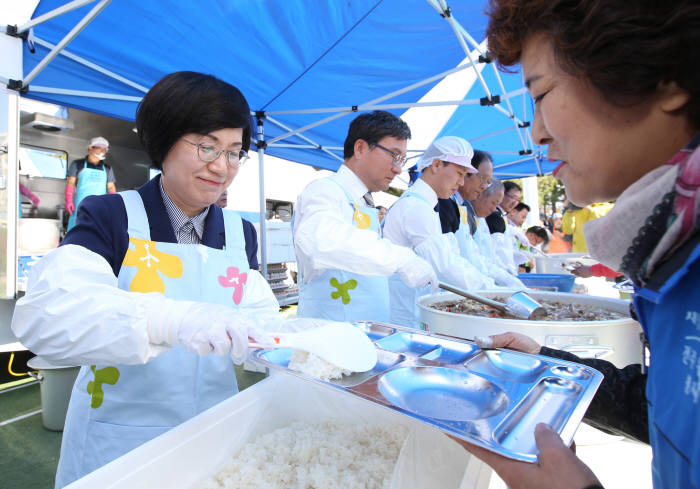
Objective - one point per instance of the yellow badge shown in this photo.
(360, 218)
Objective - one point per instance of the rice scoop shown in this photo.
(340, 344)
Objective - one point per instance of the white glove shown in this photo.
(418, 273)
(505, 279)
(203, 328)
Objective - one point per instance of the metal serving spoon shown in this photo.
(519, 304)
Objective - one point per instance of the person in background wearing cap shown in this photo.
(343, 260)
(89, 176)
(413, 222)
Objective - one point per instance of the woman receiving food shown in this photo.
(616, 88)
(152, 289)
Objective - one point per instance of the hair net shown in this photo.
(449, 148)
(99, 141)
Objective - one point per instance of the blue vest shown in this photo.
(670, 317)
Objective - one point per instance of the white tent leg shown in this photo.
(531, 197)
(263, 205)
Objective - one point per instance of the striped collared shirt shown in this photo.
(188, 230)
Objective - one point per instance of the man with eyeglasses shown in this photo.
(343, 260)
(503, 233)
(497, 220)
(413, 222)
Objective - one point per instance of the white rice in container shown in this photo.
(314, 366)
(325, 455)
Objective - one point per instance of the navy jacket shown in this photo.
(101, 226)
(496, 222)
(449, 215)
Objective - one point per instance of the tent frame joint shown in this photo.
(17, 85)
(485, 58)
(260, 115)
(493, 100)
(524, 124)
(446, 13)
(354, 108)
(524, 152)
(13, 30)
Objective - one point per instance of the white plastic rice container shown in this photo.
(556, 262)
(189, 453)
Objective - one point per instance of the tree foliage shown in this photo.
(551, 192)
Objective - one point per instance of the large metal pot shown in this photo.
(617, 341)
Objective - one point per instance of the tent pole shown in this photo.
(64, 42)
(81, 93)
(304, 138)
(263, 206)
(91, 65)
(53, 14)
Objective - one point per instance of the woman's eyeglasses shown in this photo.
(208, 153)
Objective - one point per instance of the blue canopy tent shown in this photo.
(305, 66)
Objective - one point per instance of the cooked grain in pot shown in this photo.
(556, 311)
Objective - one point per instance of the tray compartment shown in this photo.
(442, 393)
(410, 344)
(570, 372)
(550, 401)
(506, 365)
(385, 360)
(451, 352)
(375, 331)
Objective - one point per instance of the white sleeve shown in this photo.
(75, 314)
(326, 240)
(449, 266)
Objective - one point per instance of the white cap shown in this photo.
(99, 141)
(449, 148)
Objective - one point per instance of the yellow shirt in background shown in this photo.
(572, 223)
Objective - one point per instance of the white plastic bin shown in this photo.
(56, 383)
(198, 448)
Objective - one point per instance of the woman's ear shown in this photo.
(671, 96)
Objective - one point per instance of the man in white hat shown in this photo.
(413, 222)
(88, 176)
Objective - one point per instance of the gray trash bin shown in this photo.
(56, 383)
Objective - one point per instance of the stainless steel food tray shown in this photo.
(492, 398)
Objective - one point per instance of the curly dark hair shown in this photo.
(189, 102)
(624, 48)
(372, 127)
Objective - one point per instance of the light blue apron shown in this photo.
(115, 408)
(467, 246)
(91, 181)
(404, 310)
(344, 296)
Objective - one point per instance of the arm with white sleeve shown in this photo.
(414, 223)
(326, 239)
(75, 314)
